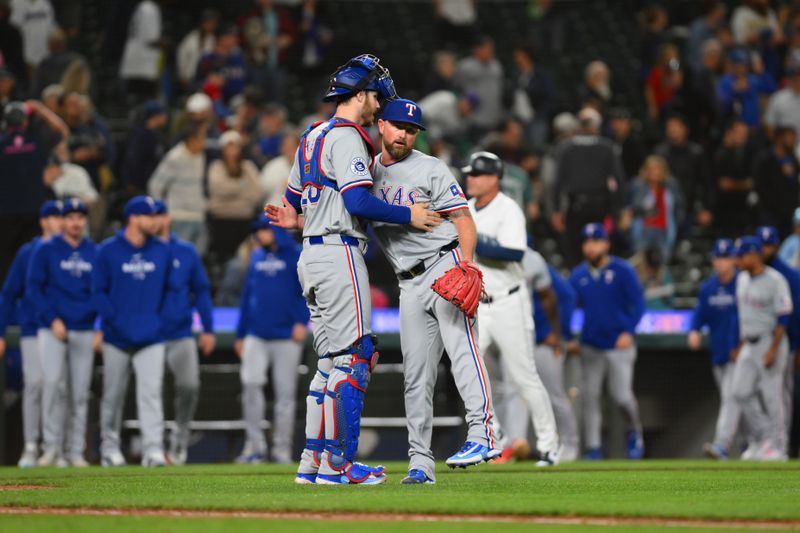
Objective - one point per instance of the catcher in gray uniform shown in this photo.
(329, 183)
(430, 324)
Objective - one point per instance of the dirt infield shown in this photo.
(403, 517)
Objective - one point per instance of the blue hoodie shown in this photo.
(612, 300)
(272, 299)
(565, 295)
(14, 301)
(129, 287)
(192, 289)
(60, 283)
(716, 309)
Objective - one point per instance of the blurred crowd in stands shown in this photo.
(709, 148)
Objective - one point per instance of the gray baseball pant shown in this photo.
(67, 374)
(617, 365)
(729, 409)
(336, 288)
(148, 365)
(430, 325)
(282, 357)
(32, 390)
(751, 379)
(182, 360)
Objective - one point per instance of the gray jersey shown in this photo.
(344, 158)
(537, 275)
(761, 300)
(417, 178)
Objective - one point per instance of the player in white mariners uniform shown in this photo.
(329, 183)
(428, 323)
(765, 305)
(506, 319)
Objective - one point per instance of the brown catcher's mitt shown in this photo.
(462, 286)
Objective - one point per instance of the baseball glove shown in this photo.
(462, 286)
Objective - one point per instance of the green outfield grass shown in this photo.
(659, 489)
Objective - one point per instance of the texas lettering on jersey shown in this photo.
(398, 195)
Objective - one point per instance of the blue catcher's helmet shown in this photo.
(362, 73)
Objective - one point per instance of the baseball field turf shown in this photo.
(623, 496)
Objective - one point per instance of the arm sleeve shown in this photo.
(635, 296)
(489, 248)
(573, 282)
(241, 327)
(566, 305)
(699, 318)
(446, 195)
(201, 289)
(36, 282)
(359, 202)
(100, 287)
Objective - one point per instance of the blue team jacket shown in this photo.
(192, 290)
(716, 309)
(612, 300)
(129, 287)
(793, 280)
(60, 283)
(272, 299)
(15, 303)
(565, 295)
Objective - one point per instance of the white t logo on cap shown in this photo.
(411, 108)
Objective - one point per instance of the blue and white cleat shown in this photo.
(417, 477)
(635, 446)
(593, 454)
(715, 451)
(354, 474)
(305, 479)
(472, 454)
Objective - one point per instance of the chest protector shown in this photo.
(311, 173)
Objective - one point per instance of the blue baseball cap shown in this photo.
(594, 231)
(261, 222)
(768, 235)
(161, 207)
(51, 208)
(140, 205)
(403, 110)
(748, 244)
(723, 248)
(738, 56)
(74, 205)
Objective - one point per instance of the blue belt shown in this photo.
(346, 239)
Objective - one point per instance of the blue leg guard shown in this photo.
(349, 398)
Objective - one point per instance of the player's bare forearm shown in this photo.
(550, 305)
(777, 336)
(467, 233)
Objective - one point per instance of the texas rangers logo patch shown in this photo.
(359, 167)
